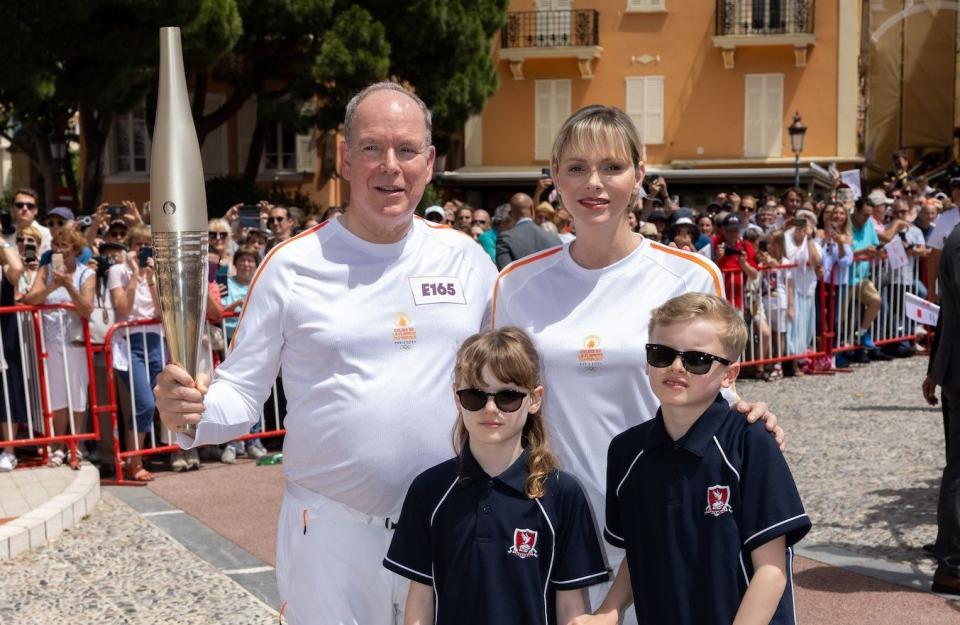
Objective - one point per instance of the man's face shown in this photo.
(767, 217)
(258, 241)
(24, 209)
(929, 213)
(280, 222)
(792, 202)
(386, 161)
(464, 217)
(481, 218)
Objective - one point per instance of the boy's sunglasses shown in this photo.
(697, 363)
(474, 399)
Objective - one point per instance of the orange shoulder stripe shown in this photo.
(693, 257)
(263, 264)
(514, 265)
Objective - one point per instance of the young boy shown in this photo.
(703, 502)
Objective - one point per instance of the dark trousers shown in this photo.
(948, 506)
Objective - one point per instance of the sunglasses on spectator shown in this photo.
(276, 220)
(697, 363)
(22, 205)
(218, 235)
(478, 222)
(507, 400)
(55, 223)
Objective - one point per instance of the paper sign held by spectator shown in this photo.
(852, 179)
(920, 310)
(896, 253)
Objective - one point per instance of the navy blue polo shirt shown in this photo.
(690, 512)
(492, 554)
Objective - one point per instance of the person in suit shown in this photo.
(944, 371)
(525, 237)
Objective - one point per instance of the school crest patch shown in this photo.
(524, 543)
(718, 500)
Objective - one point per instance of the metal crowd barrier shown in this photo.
(159, 440)
(837, 309)
(30, 361)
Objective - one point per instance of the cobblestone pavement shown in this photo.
(115, 568)
(867, 453)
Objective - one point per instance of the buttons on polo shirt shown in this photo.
(486, 509)
(490, 483)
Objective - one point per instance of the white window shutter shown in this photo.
(543, 123)
(644, 5)
(306, 153)
(213, 154)
(635, 104)
(653, 110)
(773, 115)
(753, 116)
(246, 122)
(561, 109)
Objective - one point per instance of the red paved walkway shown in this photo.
(242, 502)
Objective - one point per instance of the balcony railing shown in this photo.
(765, 17)
(550, 29)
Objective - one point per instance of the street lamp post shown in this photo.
(798, 131)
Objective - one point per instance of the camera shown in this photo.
(85, 222)
(104, 263)
(30, 252)
(762, 245)
(6, 224)
(249, 216)
(145, 252)
(116, 211)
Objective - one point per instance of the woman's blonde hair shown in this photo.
(31, 232)
(780, 238)
(219, 222)
(595, 126)
(137, 231)
(71, 237)
(512, 358)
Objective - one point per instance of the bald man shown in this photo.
(525, 237)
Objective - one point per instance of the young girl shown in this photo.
(778, 299)
(496, 535)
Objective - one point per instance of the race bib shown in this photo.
(437, 290)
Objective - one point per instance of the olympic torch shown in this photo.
(178, 211)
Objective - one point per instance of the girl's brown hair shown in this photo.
(512, 358)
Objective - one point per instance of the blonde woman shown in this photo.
(65, 281)
(587, 303)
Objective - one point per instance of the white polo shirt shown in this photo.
(366, 337)
(591, 327)
(946, 222)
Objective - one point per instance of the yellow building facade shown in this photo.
(711, 85)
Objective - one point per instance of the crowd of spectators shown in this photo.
(785, 257)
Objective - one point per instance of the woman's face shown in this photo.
(246, 266)
(598, 186)
(218, 236)
(706, 225)
(69, 256)
(839, 219)
(139, 242)
(632, 220)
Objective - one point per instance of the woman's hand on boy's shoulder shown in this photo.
(761, 411)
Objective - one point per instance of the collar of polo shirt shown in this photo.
(515, 476)
(700, 435)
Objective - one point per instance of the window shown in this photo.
(645, 107)
(131, 145)
(641, 6)
(553, 23)
(280, 150)
(552, 108)
(763, 115)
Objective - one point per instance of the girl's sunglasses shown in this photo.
(214, 234)
(507, 400)
(697, 363)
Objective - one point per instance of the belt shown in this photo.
(313, 498)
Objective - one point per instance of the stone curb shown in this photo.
(49, 520)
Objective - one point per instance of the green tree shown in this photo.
(92, 58)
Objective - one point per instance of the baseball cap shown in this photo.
(877, 197)
(680, 224)
(657, 215)
(808, 215)
(106, 246)
(61, 211)
(649, 230)
(119, 223)
(434, 211)
(731, 221)
(545, 207)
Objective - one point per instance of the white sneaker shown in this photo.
(228, 455)
(56, 458)
(8, 462)
(256, 451)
